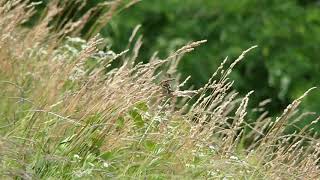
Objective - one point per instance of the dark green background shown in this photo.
(287, 32)
(282, 68)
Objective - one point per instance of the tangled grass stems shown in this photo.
(65, 113)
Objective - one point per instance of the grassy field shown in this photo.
(73, 109)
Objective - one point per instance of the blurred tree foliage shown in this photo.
(287, 32)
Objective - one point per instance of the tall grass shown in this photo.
(72, 108)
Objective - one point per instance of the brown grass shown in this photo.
(66, 113)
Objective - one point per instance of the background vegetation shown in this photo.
(287, 33)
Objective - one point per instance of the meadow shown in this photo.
(72, 108)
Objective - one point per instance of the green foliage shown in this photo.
(287, 32)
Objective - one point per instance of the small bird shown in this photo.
(165, 84)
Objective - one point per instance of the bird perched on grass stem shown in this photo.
(167, 89)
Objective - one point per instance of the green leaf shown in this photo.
(150, 145)
(137, 118)
(107, 155)
(142, 106)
